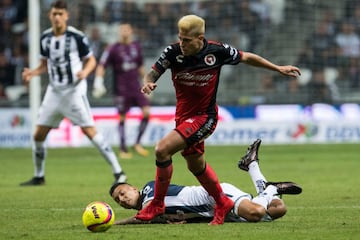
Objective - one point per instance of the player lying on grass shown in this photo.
(193, 203)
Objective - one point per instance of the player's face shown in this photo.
(126, 196)
(125, 30)
(190, 45)
(58, 18)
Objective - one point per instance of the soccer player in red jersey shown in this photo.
(195, 65)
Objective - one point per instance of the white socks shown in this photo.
(106, 150)
(39, 155)
(257, 177)
(266, 196)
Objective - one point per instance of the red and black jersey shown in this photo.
(196, 78)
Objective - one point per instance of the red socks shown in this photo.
(163, 177)
(210, 182)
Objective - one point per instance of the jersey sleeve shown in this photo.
(147, 192)
(230, 54)
(84, 46)
(165, 59)
(44, 48)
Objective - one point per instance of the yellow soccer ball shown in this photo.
(98, 216)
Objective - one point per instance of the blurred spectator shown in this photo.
(249, 23)
(86, 13)
(112, 11)
(151, 36)
(355, 18)
(8, 11)
(2, 92)
(7, 71)
(131, 13)
(6, 36)
(321, 91)
(97, 45)
(305, 56)
(354, 73)
(348, 41)
(267, 84)
(349, 7)
(322, 44)
(277, 12)
(262, 9)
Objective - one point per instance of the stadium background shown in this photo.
(283, 31)
(322, 37)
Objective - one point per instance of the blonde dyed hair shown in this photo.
(192, 25)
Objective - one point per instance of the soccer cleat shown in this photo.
(154, 209)
(35, 181)
(140, 150)
(250, 156)
(125, 155)
(120, 177)
(286, 187)
(220, 211)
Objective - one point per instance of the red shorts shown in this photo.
(195, 130)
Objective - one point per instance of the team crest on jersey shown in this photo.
(210, 59)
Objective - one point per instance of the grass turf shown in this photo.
(328, 208)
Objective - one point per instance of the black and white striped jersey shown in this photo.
(64, 56)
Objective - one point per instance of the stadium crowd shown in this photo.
(330, 54)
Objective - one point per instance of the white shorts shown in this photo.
(237, 196)
(70, 103)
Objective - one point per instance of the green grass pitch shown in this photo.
(328, 208)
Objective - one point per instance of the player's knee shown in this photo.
(161, 152)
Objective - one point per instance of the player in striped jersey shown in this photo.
(66, 56)
(194, 204)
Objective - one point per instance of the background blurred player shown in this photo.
(66, 55)
(126, 60)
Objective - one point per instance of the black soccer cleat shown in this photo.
(286, 187)
(35, 181)
(120, 177)
(250, 156)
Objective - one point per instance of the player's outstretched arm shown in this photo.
(130, 220)
(258, 61)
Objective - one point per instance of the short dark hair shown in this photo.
(59, 4)
(114, 186)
